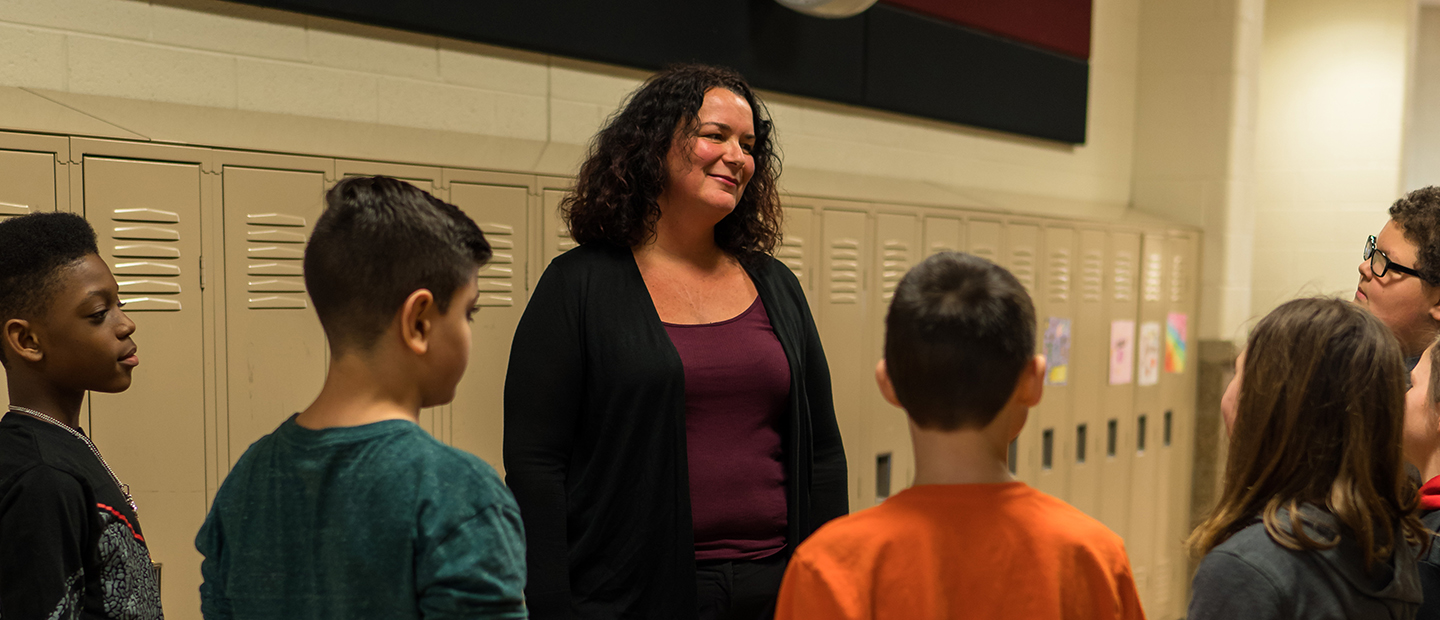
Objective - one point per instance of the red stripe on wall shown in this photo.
(1059, 25)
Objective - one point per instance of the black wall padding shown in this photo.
(887, 58)
(918, 65)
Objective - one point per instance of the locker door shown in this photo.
(984, 239)
(555, 235)
(477, 424)
(1118, 400)
(891, 456)
(943, 234)
(1022, 243)
(1089, 353)
(797, 249)
(1176, 431)
(842, 328)
(1146, 486)
(275, 349)
(146, 215)
(27, 185)
(1053, 416)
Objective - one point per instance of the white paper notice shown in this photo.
(1149, 353)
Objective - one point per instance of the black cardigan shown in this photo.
(595, 438)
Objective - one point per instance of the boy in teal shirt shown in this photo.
(349, 509)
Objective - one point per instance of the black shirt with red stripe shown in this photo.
(70, 545)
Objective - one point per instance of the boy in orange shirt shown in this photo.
(968, 540)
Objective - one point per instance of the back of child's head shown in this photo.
(378, 241)
(958, 334)
(35, 250)
(1319, 420)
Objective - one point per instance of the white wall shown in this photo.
(1328, 142)
(257, 69)
(1422, 140)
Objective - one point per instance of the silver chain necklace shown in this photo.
(124, 488)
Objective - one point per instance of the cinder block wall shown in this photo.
(234, 57)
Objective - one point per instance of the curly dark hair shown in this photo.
(1418, 215)
(615, 194)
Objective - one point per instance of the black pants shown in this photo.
(739, 590)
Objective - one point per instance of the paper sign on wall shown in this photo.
(1057, 351)
(1149, 353)
(1175, 342)
(1122, 352)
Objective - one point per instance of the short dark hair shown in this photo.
(1418, 214)
(615, 194)
(958, 334)
(378, 241)
(34, 251)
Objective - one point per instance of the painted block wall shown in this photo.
(1328, 159)
(233, 57)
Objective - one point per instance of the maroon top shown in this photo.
(737, 385)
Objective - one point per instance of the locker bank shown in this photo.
(1157, 173)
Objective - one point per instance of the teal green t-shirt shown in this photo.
(373, 521)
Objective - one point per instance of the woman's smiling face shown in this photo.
(712, 167)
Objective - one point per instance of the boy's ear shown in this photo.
(19, 337)
(1031, 386)
(887, 389)
(416, 324)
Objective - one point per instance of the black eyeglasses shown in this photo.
(1380, 264)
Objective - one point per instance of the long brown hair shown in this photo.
(1322, 401)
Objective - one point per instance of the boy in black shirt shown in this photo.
(71, 541)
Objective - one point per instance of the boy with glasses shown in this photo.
(1400, 272)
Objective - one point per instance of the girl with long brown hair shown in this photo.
(1317, 518)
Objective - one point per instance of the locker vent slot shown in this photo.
(145, 284)
(1154, 272)
(1140, 434)
(1178, 281)
(882, 476)
(1059, 281)
(1014, 457)
(564, 241)
(1080, 431)
(1124, 276)
(895, 262)
(496, 279)
(1047, 448)
(1112, 430)
(937, 247)
(1022, 265)
(792, 253)
(1165, 433)
(10, 209)
(845, 271)
(275, 245)
(1092, 276)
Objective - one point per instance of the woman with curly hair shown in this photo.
(669, 429)
(1317, 519)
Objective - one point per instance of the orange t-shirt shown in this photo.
(1002, 551)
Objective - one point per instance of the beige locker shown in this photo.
(943, 234)
(435, 420)
(797, 249)
(276, 353)
(1022, 246)
(842, 325)
(27, 185)
(554, 234)
(501, 211)
(1147, 486)
(1053, 417)
(1089, 372)
(147, 217)
(891, 455)
(1117, 401)
(1176, 435)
